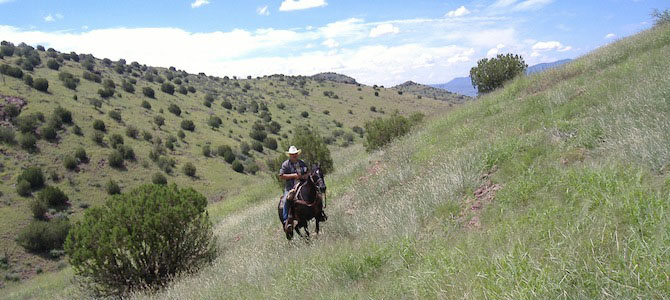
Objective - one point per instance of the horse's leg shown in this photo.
(317, 227)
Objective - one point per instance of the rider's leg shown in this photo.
(285, 211)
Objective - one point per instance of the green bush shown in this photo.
(146, 104)
(206, 151)
(28, 80)
(304, 114)
(39, 208)
(187, 125)
(167, 88)
(11, 71)
(128, 87)
(158, 178)
(147, 136)
(256, 145)
(258, 135)
(158, 231)
(77, 130)
(127, 152)
(52, 196)
(106, 92)
(373, 108)
(115, 159)
(108, 83)
(229, 157)
(48, 133)
(23, 188)
(112, 187)
(159, 121)
(115, 140)
(7, 135)
(99, 125)
(214, 121)
(97, 137)
(223, 149)
(53, 64)
(40, 236)
(80, 154)
(274, 127)
(314, 149)
(491, 73)
(226, 104)
(382, 131)
(173, 108)
(238, 167)
(148, 92)
(245, 148)
(11, 111)
(32, 175)
(63, 115)
(69, 162)
(189, 169)
(91, 77)
(41, 84)
(181, 134)
(132, 131)
(270, 143)
(182, 90)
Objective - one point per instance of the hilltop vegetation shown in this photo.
(96, 127)
(430, 92)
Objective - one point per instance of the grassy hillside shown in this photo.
(331, 108)
(430, 92)
(554, 187)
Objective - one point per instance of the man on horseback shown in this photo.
(292, 170)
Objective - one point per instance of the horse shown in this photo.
(307, 203)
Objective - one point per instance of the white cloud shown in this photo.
(199, 3)
(610, 36)
(352, 27)
(501, 6)
(383, 29)
(263, 11)
(551, 45)
(330, 43)
(494, 51)
(289, 5)
(5, 1)
(52, 18)
(459, 12)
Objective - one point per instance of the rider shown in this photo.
(291, 169)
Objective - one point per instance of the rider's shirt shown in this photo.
(291, 168)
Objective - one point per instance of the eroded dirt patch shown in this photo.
(482, 196)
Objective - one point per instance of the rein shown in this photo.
(298, 194)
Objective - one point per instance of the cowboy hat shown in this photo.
(293, 150)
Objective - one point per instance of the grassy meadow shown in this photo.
(556, 186)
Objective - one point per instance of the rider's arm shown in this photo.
(289, 176)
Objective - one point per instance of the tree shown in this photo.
(661, 17)
(152, 233)
(173, 108)
(159, 121)
(187, 125)
(490, 74)
(382, 131)
(148, 92)
(41, 84)
(314, 149)
(167, 88)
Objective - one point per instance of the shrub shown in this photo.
(229, 156)
(244, 148)
(97, 137)
(281, 105)
(173, 108)
(27, 123)
(95, 102)
(182, 90)
(49, 133)
(127, 86)
(148, 92)
(108, 83)
(226, 104)
(112, 187)
(238, 167)
(28, 80)
(28, 142)
(661, 17)
(382, 131)
(167, 88)
(99, 125)
(214, 121)
(52, 196)
(258, 135)
(158, 178)
(76, 130)
(131, 131)
(274, 127)
(127, 152)
(41, 84)
(191, 89)
(270, 143)
(376, 94)
(115, 140)
(491, 73)
(63, 115)
(373, 109)
(39, 208)
(146, 104)
(326, 112)
(106, 92)
(23, 188)
(146, 135)
(80, 154)
(304, 114)
(159, 121)
(223, 149)
(187, 125)
(11, 71)
(206, 151)
(115, 159)
(181, 134)
(53, 64)
(69, 162)
(115, 115)
(314, 149)
(40, 236)
(7, 135)
(91, 77)
(189, 169)
(256, 145)
(126, 229)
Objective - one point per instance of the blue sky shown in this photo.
(376, 42)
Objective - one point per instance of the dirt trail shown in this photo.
(483, 195)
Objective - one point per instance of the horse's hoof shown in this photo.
(289, 231)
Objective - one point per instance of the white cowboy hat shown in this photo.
(293, 150)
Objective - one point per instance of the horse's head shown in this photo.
(318, 178)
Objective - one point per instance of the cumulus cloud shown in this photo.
(263, 11)
(53, 18)
(461, 11)
(551, 45)
(610, 36)
(199, 3)
(516, 5)
(289, 5)
(494, 51)
(330, 43)
(383, 29)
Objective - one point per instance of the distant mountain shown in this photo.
(430, 92)
(331, 76)
(463, 85)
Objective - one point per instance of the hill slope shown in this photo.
(555, 185)
(271, 105)
(430, 92)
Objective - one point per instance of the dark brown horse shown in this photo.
(307, 205)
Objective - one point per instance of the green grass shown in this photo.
(580, 153)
